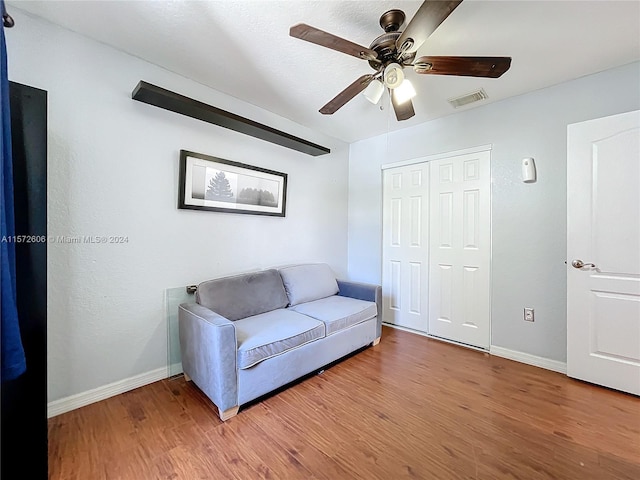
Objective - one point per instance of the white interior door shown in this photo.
(405, 252)
(460, 249)
(603, 233)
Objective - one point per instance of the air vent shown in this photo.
(468, 98)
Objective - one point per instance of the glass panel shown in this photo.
(173, 298)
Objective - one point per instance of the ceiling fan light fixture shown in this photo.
(389, 53)
(374, 91)
(393, 75)
(405, 92)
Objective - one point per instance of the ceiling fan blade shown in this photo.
(319, 37)
(428, 17)
(491, 67)
(347, 94)
(403, 110)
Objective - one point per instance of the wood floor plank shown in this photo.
(410, 408)
(297, 444)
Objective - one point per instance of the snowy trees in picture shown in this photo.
(210, 183)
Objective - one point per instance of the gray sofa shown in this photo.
(250, 334)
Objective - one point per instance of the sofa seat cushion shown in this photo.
(338, 312)
(308, 282)
(272, 333)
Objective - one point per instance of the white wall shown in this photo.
(528, 220)
(113, 170)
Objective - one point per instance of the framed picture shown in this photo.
(219, 185)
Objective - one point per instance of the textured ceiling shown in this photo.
(243, 48)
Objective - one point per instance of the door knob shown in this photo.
(579, 264)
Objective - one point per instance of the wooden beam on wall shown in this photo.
(160, 97)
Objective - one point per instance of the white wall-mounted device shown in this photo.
(528, 170)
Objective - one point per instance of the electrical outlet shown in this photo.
(528, 315)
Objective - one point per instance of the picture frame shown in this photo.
(219, 185)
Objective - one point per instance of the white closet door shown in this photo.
(460, 252)
(405, 246)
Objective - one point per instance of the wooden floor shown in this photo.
(411, 407)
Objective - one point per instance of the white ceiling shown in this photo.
(243, 48)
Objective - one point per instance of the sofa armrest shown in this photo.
(209, 353)
(363, 291)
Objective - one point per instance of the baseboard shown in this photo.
(433, 337)
(542, 362)
(521, 357)
(72, 402)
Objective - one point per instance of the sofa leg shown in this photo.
(229, 413)
(187, 378)
(376, 341)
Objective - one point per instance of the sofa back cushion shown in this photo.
(243, 296)
(308, 282)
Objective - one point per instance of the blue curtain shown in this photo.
(12, 353)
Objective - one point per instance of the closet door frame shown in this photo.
(482, 341)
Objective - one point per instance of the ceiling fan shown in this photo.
(395, 50)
